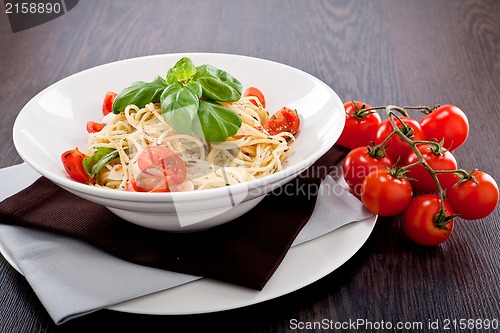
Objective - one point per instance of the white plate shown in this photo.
(303, 265)
(66, 105)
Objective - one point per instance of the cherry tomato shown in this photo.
(164, 159)
(360, 126)
(252, 91)
(151, 180)
(94, 126)
(72, 161)
(421, 179)
(384, 194)
(398, 149)
(419, 220)
(285, 120)
(446, 122)
(107, 104)
(358, 164)
(471, 200)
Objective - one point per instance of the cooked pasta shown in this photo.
(251, 153)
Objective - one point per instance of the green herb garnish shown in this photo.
(140, 93)
(188, 98)
(93, 164)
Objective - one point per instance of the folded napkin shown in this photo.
(73, 278)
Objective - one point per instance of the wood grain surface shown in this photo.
(382, 52)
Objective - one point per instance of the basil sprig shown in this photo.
(188, 97)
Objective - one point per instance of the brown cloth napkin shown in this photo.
(245, 251)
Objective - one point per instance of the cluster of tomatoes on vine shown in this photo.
(401, 165)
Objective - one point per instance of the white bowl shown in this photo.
(54, 121)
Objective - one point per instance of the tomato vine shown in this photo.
(464, 190)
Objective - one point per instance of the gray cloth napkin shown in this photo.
(72, 278)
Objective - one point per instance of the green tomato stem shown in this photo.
(421, 159)
(403, 112)
(409, 166)
(382, 144)
(459, 172)
(436, 145)
(422, 108)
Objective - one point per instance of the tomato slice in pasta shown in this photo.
(255, 92)
(162, 158)
(107, 103)
(72, 161)
(152, 180)
(285, 120)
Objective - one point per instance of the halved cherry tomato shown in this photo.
(442, 160)
(252, 91)
(474, 199)
(94, 126)
(419, 220)
(132, 186)
(360, 126)
(164, 159)
(446, 122)
(72, 161)
(107, 104)
(398, 149)
(285, 120)
(358, 163)
(151, 180)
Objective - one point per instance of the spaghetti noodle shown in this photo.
(251, 153)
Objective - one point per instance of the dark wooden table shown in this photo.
(382, 52)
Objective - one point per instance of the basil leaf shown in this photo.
(195, 87)
(140, 93)
(217, 84)
(182, 71)
(93, 164)
(215, 122)
(179, 105)
(171, 78)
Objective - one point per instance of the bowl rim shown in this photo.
(104, 193)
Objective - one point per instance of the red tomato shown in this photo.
(94, 126)
(72, 161)
(446, 122)
(398, 149)
(358, 164)
(421, 179)
(419, 220)
(360, 126)
(132, 186)
(107, 104)
(162, 158)
(471, 200)
(252, 91)
(384, 194)
(285, 120)
(152, 180)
